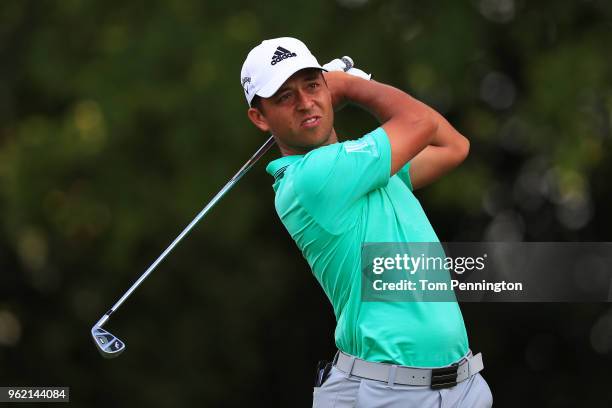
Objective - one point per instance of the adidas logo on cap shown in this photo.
(281, 54)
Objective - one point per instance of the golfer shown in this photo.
(332, 197)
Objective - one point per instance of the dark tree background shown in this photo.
(120, 120)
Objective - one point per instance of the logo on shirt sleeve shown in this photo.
(361, 146)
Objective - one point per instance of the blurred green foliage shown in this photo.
(119, 120)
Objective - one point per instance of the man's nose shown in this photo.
(305, 101)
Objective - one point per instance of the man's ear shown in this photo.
(258, 119)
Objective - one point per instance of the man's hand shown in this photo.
(346, 64)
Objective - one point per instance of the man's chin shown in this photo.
(319, 139)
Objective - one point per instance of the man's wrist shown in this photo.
(337, 83)
(351, 88)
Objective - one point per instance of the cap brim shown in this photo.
(273, 85)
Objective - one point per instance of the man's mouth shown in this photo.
(311, 121)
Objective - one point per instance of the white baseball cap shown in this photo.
(271, 63)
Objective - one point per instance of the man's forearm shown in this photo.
(382, 101)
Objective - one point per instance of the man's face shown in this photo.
(300, 114)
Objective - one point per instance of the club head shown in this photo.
(108, 345)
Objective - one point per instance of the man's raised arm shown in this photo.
(416, 132)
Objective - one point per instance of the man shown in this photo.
(332, 197)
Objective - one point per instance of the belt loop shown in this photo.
(467, 357)
(350, 367)
(392, 372)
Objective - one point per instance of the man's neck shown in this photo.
(292, 151)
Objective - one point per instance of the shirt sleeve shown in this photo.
(330, 181)
(404, 175)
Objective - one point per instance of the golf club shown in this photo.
(110, 346)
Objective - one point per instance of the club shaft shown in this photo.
(243, 170)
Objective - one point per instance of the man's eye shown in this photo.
(314, 85)
(283, 97)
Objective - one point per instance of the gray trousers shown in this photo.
(341, 390)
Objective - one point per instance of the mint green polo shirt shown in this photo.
(332, 200)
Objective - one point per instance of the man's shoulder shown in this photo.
(370, 143)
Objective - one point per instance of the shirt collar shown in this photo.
(277, 167)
